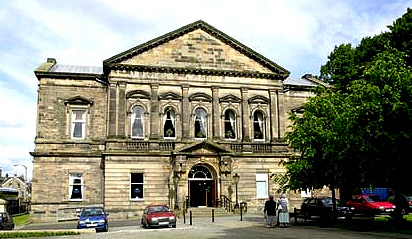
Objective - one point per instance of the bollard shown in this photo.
(184, 217)
(213, 215)
(241, 212)
(190, 218)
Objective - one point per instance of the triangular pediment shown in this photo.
(78, 100)
(203, 148)
(230, 98)
(198, 48)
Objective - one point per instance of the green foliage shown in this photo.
(359, 133)
(36, 234)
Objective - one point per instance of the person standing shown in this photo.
(270, 211)
(283, 206)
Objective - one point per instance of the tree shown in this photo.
(358, 134)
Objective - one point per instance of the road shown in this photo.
(252, 226)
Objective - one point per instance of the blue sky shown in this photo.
(296, 34)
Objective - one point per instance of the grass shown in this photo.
(383, 224)
(35, 234)
(21, 220)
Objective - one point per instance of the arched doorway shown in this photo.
(202, 187)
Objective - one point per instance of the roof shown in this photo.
(58, 68)
(299, 82)
(115, 60)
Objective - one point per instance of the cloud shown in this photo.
(298, 35)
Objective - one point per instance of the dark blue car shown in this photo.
(93, 217)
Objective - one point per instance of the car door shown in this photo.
(6, 221)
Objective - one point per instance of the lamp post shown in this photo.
(236, 178)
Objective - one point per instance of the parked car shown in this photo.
(6, 221)
(321, 205)
(158, 216)
(93, 217)
(404, 204)
(370, 204)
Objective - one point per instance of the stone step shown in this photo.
(207, 212)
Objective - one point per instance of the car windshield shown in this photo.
(92, 212)
(158, 209)
(373, 198)
(327, 201)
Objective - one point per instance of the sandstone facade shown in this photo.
(170, 121)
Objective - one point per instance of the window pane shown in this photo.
(169, 125)
(78, 114)
(230, 125)
(137, 122)
(136, 178)
(261, 189)
(77, 131)
(136, 191)
(258, 125)
(200, 123)
(136, 185)
(76, 192)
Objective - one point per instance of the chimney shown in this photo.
(307, 76)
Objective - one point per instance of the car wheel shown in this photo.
(174, 226)
(106, 228)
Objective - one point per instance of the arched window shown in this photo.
(200, 172)
(200, 123)
(137, 122)
(169, 124)
(230, 124)
(258, 126)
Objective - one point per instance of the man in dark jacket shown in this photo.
(270, 211)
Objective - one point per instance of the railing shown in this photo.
(238, 147)
(137, 145)
(261, 148)
(226, 203)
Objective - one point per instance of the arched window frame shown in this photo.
(169, 116)
(133, 118)
(230, 125)
(259, 135)
(201, 122)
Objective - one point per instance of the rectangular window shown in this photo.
(76, 186)
(78, 124)
(262, 185)
(136, 185)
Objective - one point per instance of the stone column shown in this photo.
(274, 127)
(154, 112)
(281, 113)
(121, 113)
(245, 115)
(185, 112)
(216, 113)
(112, 110)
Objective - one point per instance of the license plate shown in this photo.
(92, 225)
(163, 223)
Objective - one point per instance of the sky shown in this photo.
(296, 34)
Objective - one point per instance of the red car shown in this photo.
(370, 204)
(158, 216)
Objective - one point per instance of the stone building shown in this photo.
(170, 121)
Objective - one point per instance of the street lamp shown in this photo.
(236, 178)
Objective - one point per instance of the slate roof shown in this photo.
(299, 82)
(58, 68)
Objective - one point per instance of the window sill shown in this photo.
(136, 199)
(75, 200)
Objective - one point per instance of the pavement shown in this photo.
(251, 226)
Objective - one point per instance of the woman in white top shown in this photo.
(283, 208)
